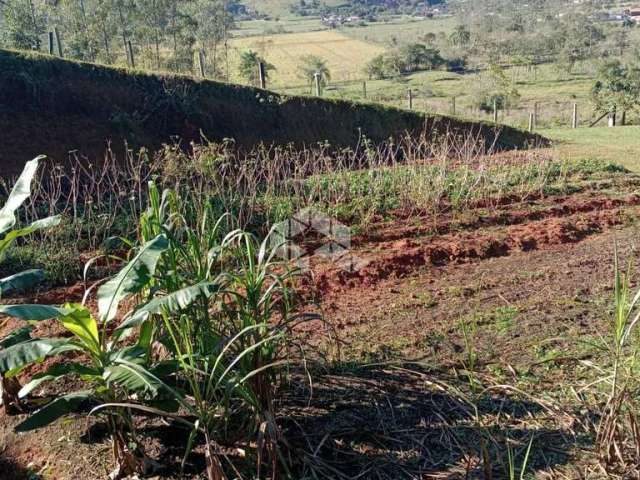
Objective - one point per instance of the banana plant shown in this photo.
(104, 362)
(9, 385)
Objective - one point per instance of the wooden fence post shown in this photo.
(364, 89)
(262, 75)
(453, 105)
(316, 78)
(535, 115)
(51, 41)
(495, 110)
(574, 117)
(612, 119)
(132, 61)
(201, 63)
(58, 41)
(410, 99)
(530, 121)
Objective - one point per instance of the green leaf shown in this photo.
(21, 191)
(54, 372)
(21, 354)
(32, 312)
(10, 237)
(21, 281)
(171, 303)
(17, 336)
(129, 372)
(79, 321)
(131, 279)
(131, 380)
(146, 336)
(74, 317)
(52, 411)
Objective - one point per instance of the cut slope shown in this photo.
(53, 106)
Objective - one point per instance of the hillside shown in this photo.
(53, 106)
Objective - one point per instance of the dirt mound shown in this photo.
(52, 106)
(554, 221)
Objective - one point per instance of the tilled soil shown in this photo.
(515, 290)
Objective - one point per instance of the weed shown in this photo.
(468, 327)
(502, 318)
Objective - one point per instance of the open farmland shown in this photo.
(552, 90)
(345, 56)
(401, 29)
(596, 143)
(457, 325)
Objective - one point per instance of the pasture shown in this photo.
(346, 57)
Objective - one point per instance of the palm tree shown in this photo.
(249, 61)
(461, 36)
(312, 65)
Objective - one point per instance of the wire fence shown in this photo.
(524, 114)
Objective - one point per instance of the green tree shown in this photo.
(377, 68)
(310, 65)
(417, 56)
(495, 88)
(73, 20)
(22, 24)
(580, 37)
(461, 36)
(152, 22)
(249, 61)
(181, 38)
(617, 87)
(212, 22)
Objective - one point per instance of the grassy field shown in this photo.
(401, 29)
(619, 145)
(554, 92)
(345, 56)
(549, 88)
(255, 28)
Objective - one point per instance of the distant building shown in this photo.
(633, 13)
(609, 17)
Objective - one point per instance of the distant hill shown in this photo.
(53, 106)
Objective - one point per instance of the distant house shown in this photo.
(609, 17)
(634, 14)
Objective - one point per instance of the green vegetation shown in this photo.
(249, 62)
(20, 280)
(210, 294)
(197, 321)
(312, 66)
(617, 88)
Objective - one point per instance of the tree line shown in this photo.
(155, 34)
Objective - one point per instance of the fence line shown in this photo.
(531, 115)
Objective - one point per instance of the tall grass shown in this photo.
(618, 434)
